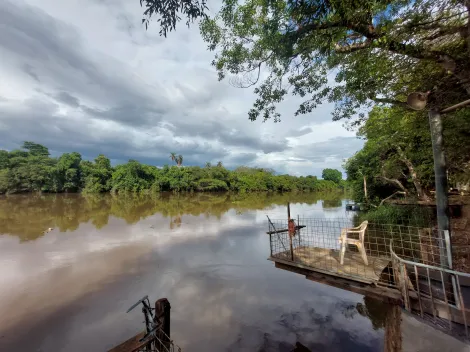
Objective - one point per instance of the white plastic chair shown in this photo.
(359, 243)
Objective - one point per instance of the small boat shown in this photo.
(353, 207)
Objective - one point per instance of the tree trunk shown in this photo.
(414, 176)
(365, 188)
(394, 181)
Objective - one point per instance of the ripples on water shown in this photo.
(68, 289)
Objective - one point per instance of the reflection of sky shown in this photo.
(74, 288)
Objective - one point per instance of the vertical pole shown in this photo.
(162, 315)
(290, 237)
(442, 200)
(440, 174)
(298, 232)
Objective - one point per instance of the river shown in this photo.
(69, 289)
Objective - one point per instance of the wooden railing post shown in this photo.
(162, 314)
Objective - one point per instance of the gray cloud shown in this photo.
(45, 47)
(218, 131)
(112, 87)
(303, 131)
(28, 69)
(339, 147)
(39, 121)
(68, 99)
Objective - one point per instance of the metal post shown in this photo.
(298, 231)
(290, 237)
(442, 201)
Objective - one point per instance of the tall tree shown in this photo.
(35, 149)
(379, 50)
(179, 160)
(173, 157)
(332, 175)
(397, 155)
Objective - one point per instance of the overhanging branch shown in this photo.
(389, 101)
(352, 47)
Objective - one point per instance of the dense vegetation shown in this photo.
(397, 156)
(31, 169)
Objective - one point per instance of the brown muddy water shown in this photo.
(69, 289)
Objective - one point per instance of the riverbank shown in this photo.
(31, 169)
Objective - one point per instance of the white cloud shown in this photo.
(87, 76)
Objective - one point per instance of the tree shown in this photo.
(380, 51)
(332, 175)
(4, 159)
(208, 164)
(169, 11)
(219, 164)
(179, 160)
(173, 157)
(96, 177)
(23, 171)
(67, 173)
(35, 149)
(397, 155)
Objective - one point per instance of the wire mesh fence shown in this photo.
(417, 261)
(337, 246)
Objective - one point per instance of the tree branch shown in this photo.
(353, 47)
(397, 192)
(393, 181)
(447, 31)
(389, 101)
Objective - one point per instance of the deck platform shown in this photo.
(326, 260)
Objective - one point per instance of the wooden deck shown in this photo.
(326, 261)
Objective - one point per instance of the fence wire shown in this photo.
(417, 261)
(160, 342)
(317, 243)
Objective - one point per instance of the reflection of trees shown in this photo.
(27, 216)
(373, 309)
(175, 222)
(331, 203)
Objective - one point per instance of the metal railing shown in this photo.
(160, 342)
(436, 292)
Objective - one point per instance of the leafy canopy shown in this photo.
(332, 175)
(350, 52)
(34, 171)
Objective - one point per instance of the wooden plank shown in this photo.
(326, 260)
(384, 294)
(310, 269)
(373, 291)
(131, 345)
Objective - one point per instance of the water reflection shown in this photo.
(29, 216)
(206, 254)
(332, 203)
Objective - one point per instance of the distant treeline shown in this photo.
(31, 169)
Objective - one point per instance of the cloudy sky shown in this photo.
(84, 75)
